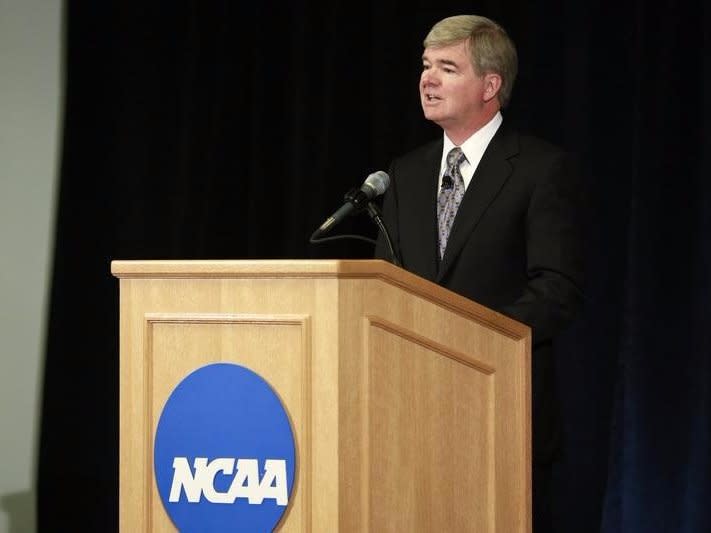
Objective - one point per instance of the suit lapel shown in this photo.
(423, 211)
(491, 174)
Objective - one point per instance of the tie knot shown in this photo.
(455, 158)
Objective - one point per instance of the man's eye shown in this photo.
(425, 67)
(448, 70)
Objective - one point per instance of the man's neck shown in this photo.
(461, 132)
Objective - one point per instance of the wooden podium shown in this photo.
(410, 404)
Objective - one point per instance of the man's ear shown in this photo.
(492, 85)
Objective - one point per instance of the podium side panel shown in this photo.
(431, 416)
(435, 416)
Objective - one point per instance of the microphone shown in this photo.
(357, 199)
(447, 182)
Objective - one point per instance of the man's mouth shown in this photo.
(431, 97)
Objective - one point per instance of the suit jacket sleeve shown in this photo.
(554, 225)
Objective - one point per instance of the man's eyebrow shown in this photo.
(441, 61)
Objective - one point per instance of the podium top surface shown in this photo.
(252, 268)
(324, 269)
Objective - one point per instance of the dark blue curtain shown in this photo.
(660, 474)
(214, 129)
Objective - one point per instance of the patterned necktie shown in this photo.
(450, 196)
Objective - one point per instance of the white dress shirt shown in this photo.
(473, 148)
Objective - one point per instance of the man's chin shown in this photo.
(431, 115)
(434, 117)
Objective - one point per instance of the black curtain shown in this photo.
(216, 129)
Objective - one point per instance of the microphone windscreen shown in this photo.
(376, 184)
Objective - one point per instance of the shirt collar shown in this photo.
(473, 148)
(475, 145)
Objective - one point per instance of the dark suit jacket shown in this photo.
(515, 246)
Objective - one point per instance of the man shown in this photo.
(491, 214)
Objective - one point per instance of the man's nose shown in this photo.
(429, 77)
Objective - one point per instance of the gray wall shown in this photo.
(30, 114)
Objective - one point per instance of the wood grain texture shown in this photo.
(410, 404)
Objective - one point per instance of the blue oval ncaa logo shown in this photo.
(224, 454)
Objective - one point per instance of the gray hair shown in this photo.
(490, 47)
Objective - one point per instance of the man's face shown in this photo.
(451, 93)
